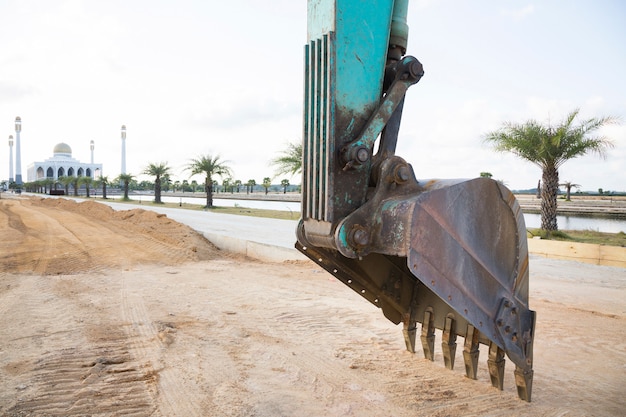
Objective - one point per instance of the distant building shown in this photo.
(63, 165)
(18, 154)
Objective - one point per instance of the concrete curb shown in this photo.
(255, 250)
(579, 252)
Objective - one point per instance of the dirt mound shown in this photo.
(60, 236)
(235, 337)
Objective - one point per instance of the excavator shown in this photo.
(450, 255)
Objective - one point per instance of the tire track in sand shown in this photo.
(75, 379)
(148, 340)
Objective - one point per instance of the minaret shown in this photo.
(18, 154)
(10, 159)
(91, 146)
(123, 149)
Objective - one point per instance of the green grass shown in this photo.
(241, 211)
(244, 211)
(582, 236)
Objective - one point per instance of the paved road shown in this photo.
(216, 226)
(258, 229)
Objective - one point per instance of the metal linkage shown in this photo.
(450, 254)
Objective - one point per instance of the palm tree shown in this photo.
(568, 189)
(158, 171)
(87, 181)
(103, 182)
(66, 181)
(47, 184)
(125, 179)
(285, 184)
(289, 161)
(267, 183)
(227, 184)
(250, 186)
(550, 147)
(75, 184)
(209, 166)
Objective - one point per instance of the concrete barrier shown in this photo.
(580, 252)
(255, 250)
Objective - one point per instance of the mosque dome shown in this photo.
(62, 148)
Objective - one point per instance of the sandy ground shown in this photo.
(131, 314)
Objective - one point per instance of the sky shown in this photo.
(194, 77)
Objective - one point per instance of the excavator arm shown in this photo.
(448, 254)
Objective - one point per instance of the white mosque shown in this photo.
(61, 164)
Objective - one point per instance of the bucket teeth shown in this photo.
(524, 382)
(448, 343)
(428, 334)
(409, 331)
(495, 363)
(471, 352)
(422, 306)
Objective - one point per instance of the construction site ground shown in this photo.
(129, 313)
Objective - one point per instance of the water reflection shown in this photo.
(227, 202)
(580, 223)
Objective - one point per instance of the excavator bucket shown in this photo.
(448, 254)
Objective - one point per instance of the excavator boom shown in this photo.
(448, 254)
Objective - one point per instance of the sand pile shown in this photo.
(60, 236)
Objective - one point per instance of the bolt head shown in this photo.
(362, 155)
(402, 174)
(361, 237)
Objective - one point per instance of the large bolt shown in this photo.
(360, 236)
(362, 154)
(416, 69)
(401, 174)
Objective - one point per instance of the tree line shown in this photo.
(211, 167)
(545, 145)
